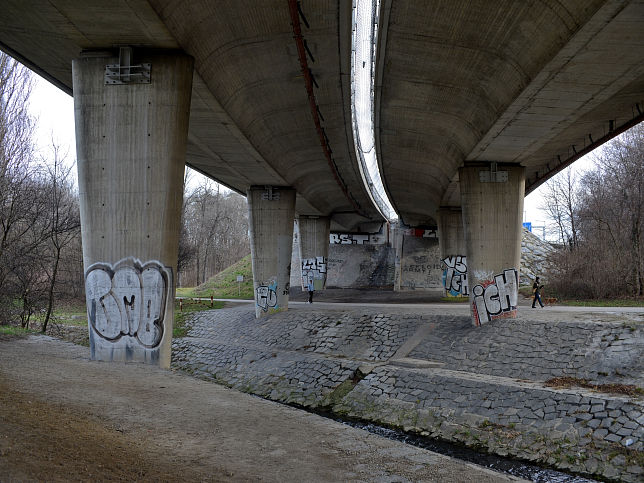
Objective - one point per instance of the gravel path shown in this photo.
(63, 417)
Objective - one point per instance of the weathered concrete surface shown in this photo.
(313, 250)
(433, 373)
(420, 267)
(492, 212)
(167, 426)
(271, 213)
(519, 82)
(360, 266)
(354, 266)
(131, 148)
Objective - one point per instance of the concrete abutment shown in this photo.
(131, 143)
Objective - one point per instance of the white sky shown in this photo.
(55, 113)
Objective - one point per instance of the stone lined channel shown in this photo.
(497, 463)
(434, 375)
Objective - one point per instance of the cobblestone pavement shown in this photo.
(427, 370)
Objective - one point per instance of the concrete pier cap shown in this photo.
(131, 112)
(492, 208)
(271, 216)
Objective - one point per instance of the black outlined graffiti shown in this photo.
(128, 300)
(348, 239)
(266, 296)
(316, 264)
(497, 298)
(455, 275)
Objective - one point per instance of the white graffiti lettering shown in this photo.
(316, 264)
(128, 300)
(266, 296)
(455, 275)
(348, 239)
(496, 298)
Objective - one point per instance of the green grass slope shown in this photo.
(224, 285)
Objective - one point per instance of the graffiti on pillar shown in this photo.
(128, 299)
(455, 275)
(421, 233)
(496, 298)
(266, 296)
(349, 239)
(315, 265)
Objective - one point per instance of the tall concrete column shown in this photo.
(131, 143)
(271, 215)
(314, 249)
(397, 241)
(452, 248)
(492, 200)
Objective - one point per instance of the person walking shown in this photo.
(311, 288)
(536, 293)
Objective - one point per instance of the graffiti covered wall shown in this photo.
(420, 262)
(126, 306)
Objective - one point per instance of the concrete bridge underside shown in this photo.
(476, 103)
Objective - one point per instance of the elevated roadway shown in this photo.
(475, 104)
(529, 83)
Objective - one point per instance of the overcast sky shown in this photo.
(55, 113)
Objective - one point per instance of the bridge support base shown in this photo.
(314, 250)
(271, 217)
(131, 144)
(492, 201)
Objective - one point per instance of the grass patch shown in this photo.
(455, 300)
(16, 331)
(186, 307)
(224, 285)
(567, 382)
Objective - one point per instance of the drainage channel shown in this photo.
(510, 466)
(520, 469)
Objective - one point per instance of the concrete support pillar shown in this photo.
(452, 252)
(492, 200)
(314, 249)
(131, 144)
(397, 241)
(271, 215)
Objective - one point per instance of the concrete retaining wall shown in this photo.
(420, 264)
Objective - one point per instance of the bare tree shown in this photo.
(16, 153)
(561, 206)
(64, 220)
(603, 214)
(214, 232)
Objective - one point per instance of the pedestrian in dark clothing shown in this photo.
(536, 292)
(311, 288)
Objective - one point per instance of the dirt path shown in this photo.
(63, 417)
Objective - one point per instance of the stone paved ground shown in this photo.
(428, 371)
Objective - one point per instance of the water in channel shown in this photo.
(503, 465)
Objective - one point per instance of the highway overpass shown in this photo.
(475, 104)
